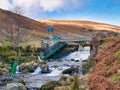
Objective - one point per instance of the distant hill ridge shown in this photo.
(37, 29)
(89, 24)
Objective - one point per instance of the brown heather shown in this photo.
(106, 66)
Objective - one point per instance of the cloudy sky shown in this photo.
(106, 11)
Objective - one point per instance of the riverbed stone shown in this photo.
(3, 71)
(45, 69)
(29, 66)
(76, 60)
(50, 85)
(21, 81)
(72, 59)
(64, 80)
(71, 70)
(15, 86)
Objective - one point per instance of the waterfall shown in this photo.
(18, 70)
(39, 58)
(80, 69)
(80, 48)
(37, 71)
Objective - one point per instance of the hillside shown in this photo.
(87, 25)
(34, 31)
(106, 72)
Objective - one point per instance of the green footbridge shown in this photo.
(60, 41)
(53, 49)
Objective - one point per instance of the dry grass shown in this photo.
(35, 30)
(106, 66)
(87, 24)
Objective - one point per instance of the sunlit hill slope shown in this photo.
(34, 30)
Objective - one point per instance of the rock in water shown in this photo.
(70, 70)
(15, 86)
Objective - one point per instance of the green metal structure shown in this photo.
(13, 70)
(60, 41)
(54, 50)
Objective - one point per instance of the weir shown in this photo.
(49, 51)
(55, 43)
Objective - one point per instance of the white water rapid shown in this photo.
(57, 67)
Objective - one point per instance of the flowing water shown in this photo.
(37, 71)
(36, 79)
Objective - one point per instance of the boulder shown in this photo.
(29, 66)
(76, 60)
(15, 86)
(3, 71)
(45, 69)
(4, 80)
(50, 85)
(21, 81)
(72, 59)
(71, 70)
(64, 80)
(85, 61)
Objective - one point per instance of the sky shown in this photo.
(105, 11)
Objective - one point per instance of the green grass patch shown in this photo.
(117, 54)
(87, 66)
(115, 77)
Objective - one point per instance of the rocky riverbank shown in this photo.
(34, 78)
(67, 83)
(64, 82)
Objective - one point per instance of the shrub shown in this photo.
(50, 85)
(117, 54)
(99, 82)
(88, 66)
(75, 85)
(115, 77)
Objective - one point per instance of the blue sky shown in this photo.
(106, 11)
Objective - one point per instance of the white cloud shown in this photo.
(56, 5)
(51, 5)
(27, 4)
(48, 5)
(33, 7)
(5, 4)
(30, 7)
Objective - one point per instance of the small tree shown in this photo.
(18, 31)
(12, 28)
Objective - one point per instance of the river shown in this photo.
(76, 58)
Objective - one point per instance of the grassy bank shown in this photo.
(107, 66)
